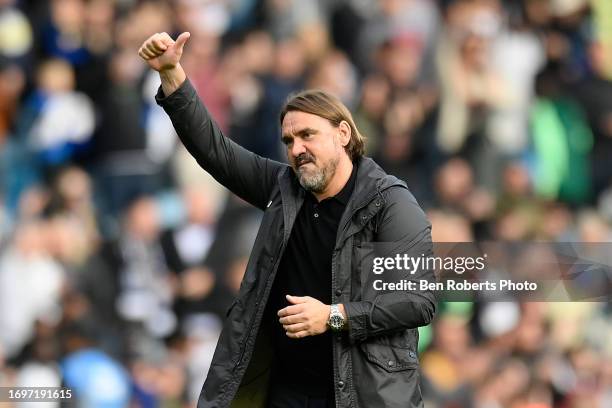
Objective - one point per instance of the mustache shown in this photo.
(303, 159)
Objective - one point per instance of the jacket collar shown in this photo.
(370, 181)
(292, 197)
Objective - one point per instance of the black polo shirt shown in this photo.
(305, 364)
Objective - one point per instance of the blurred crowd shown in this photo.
(119, 257)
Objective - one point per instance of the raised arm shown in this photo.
(246, 174)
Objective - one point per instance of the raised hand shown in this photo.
(161, 52)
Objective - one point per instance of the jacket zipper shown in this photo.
(266, 294)
(260, 310)
(333, 288)
(360, 206)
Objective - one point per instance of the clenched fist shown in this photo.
(161, 52)
(306, 316)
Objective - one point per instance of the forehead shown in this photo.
(295, 121)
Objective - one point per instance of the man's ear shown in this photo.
(345, 133)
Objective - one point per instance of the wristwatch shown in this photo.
(336, 320)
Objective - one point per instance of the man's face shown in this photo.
(314, 148)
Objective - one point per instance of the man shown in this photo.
(305, 331)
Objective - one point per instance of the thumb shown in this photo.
(181, 40)
(297, 299)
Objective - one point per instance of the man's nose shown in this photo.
(297, 148)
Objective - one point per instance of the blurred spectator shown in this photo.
(62, 120)
(15, 31)
(442, 363)
(472, 88)
(517, 55)
(12, 82)
(125, 169)
(287, 76)
(186, 248)
(205, 68)
(562, 141)
(594, 92)
(62, 35)
(30, 283)
(15, 173)
(95, 379)
(456, 189)
(389, 19)
(335, 73)
(375, 96)
(302, 21)
(145, 290)
(39, 361)
(72, 197)
(448, 226)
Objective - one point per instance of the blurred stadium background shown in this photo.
(119, 256)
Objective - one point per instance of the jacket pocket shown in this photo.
(390, 357)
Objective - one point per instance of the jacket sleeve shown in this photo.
(405, 227)
(246, 174)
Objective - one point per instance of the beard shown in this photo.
(314, 178)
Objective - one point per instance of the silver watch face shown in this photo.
(336, 321)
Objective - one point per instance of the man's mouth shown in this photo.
(299, 162)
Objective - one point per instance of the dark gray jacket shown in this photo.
(375, 360)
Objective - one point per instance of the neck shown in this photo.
(338, 181)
